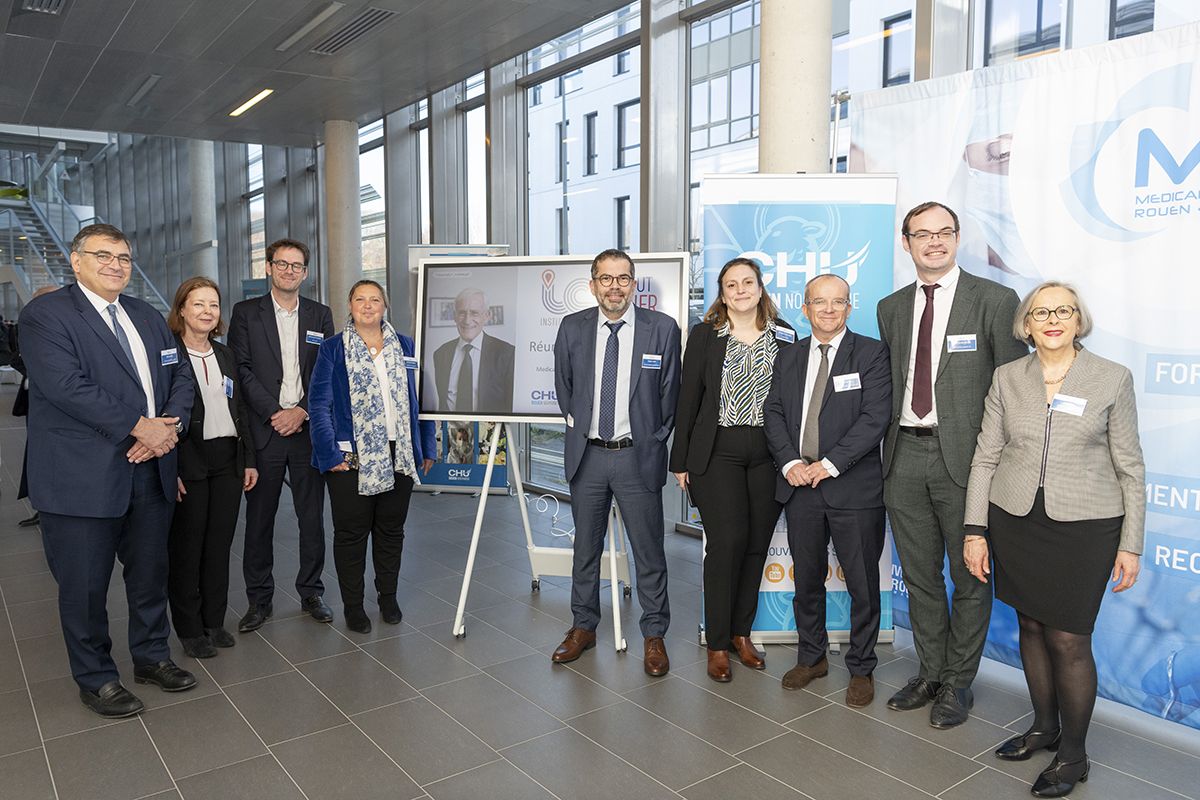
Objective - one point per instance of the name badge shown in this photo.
(314, 337)
(229, 387)
(1068, 404)
(410, 362)
(785, 335)
(847, 382)
(168, 357)
(345, 447)
(960, 343)
(651, 361)
(570, 421)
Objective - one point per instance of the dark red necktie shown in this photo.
(922, 394)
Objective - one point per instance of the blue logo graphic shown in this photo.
(1150, 146)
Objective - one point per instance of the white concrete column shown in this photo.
(203, 190)
(796, 55)
(343, 215)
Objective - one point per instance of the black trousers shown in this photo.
(293, 455)
(355, 517)
(736, 497)
(198, 546)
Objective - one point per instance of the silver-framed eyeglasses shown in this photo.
(104, 258)
(945, 234)
(289, 266)
(820, 303)
(1041, 313)
(608, 280)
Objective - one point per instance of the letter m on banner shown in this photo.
(1150, 146)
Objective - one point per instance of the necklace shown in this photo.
(1062, 377)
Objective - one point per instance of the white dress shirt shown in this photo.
(943, 298)
(810, 381)
(291, 389)
(621, 426)
(218, 422)
(385, 386)
(460, 351)
(136, 345)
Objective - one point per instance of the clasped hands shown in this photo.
(287, 421)
(154, 438)
(802, 474)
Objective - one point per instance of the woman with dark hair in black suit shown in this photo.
(216, 464)
(720, 454)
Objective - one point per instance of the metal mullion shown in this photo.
(580, 60)
(708, 8)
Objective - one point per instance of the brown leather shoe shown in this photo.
(861, 690)
(573, 646)
(718, 666)
(747, 652)
(655, 656)
(800, 676)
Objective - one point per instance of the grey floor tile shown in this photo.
(25, 776)
(753, 689)
(1163, 766)
(24, 540)
(284, 706)
(259, 778)
(523, 622)
(620, 672)
(901, 755)
(482, 646)
(419, 661)
(715, 720)
(573, 767)
(499, 780)
(201, 735)
(251, 658)
(28, 587)
(117, 763)
(493, 712)
(740, 781)
(155, 698)
(559, 690)
(998, 706)
(356, 682)
(19, 730)
(343, 763)
(29, 563)
(301, 639)
(421, 608)
(427, 743)
(45, 657)
(551, 600)
(478, 595)
(666, 753)
(38, 618)
(990, 784)
(1103, 781)
(59, 709)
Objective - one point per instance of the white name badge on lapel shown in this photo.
(1068, 404)
(314, 337)
(651, 361)
(168, 357)
(785, 335)
(960, 343)
(410, 362)
(229, 387)
(847, 382)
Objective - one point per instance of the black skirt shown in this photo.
(1054, 572)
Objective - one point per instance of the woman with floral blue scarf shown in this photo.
(367, 441)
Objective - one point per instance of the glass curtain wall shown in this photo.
(423, 166)
(371, 194)
(1020, 28)
(1130, 17)
(477, 144)
(256, 207)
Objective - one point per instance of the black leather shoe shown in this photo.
(1021, 748)
(357, 619)
(950, 707)
(1060, 777)
(220, 637)
(915, 694)
(198, 646)
(112, 700)
(389, 609)
(255, 617)
(29, 522)
(315, 607)
(165, 675)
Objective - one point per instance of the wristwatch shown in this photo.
(178, 428)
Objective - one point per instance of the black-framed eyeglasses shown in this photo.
(1041, 313)
(607, 280)
(288, 266)
(104, 258)
(924, 236)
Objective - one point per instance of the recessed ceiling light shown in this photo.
(310, 26)
(253, 101)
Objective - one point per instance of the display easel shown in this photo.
(548, 561)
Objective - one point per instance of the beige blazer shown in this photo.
(1094, 467)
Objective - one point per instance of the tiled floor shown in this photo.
(299, 709)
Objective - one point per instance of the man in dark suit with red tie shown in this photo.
(824, 417)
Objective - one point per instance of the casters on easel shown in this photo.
(624, 648)
(535, 585)
(461, 633)
(628, 590)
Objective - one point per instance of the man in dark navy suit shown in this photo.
(108, 394)
(825, 416)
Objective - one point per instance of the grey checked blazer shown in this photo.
(1094, 468)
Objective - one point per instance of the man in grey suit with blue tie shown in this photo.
(616, 371)
(947, 333)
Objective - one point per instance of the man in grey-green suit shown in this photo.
(947, 333)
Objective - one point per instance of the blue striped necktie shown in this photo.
(608, 382)
(122, 339)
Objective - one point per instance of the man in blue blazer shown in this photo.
(109, 395)
(616, 371)
(825, 416)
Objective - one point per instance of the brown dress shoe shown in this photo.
(861, 690)
(655, 656)
(573, 646)
(718, 666)
(747, 652)
(800, 676)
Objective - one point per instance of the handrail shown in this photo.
(31, 248)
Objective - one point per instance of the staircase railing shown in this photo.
(28, 262)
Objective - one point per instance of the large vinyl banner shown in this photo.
(798, 227)
(1082, 166)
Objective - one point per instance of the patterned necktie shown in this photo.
(922, 393)
(810, 439)
(464, 395)
(122, 339)
(608, 382)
